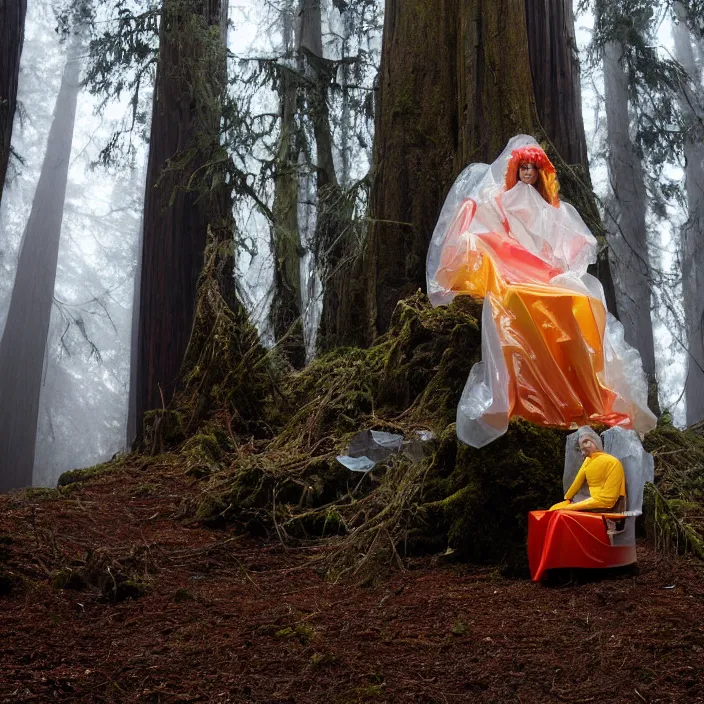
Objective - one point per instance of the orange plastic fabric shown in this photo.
(550, 351)
(572, 539)
(551, 337)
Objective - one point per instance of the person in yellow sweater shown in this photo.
(602, 472)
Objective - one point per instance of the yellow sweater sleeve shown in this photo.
(578, 481)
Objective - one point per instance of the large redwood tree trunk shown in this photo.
(556, 84)
(24, 338)
(455, 84)
(12, 15)
(184, 140)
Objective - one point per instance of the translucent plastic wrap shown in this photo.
(482, 413)
(623, 372)
(550, 352)
(370, 447)
(638, 465)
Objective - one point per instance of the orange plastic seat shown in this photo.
(573, 539)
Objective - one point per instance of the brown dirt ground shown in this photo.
(231, 619)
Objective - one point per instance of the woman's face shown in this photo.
(528, 173)
(587, 446)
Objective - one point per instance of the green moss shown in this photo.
(282, 633)
(144, 490)
(111, 580)
(675, 524)
(41, 493)
(68, 578)
(333, 523)
(77, 476)
(477, 501)
(367, 693)
(163, 429)
(74, 476)
(203, 452)
(474, 503)
(319, 660)
(209, 508)
(315, 523)
(674, 511)
(459, 628)
(304, 634)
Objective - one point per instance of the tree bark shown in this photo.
(184, 144)
(310, 46)
(693, 230)
(23, 344)
(556, 83)
(554, 67)
(287, 307)
(132, 426)
(625, 220)
(12, 16)
(455, 84)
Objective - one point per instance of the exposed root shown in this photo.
(278, 474)
(675, 509)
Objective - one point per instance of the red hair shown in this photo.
(547, 184)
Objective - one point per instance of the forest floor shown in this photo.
(214, 617)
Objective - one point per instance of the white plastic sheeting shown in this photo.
(370, 447)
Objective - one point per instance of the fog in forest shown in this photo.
(85, 366)
(86, 362)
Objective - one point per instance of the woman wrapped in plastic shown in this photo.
(550, 351)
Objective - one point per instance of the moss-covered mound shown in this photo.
(472, 503)
(276, 473)
(674, 507)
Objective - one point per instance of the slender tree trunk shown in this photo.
(287, 304)
(310, 46)
(340, 245)
(346, 131)
(184, 142)
(455, 84)
(23, 344)
(625, 220)
(693, 230)
(132, 427)
(12, 15)
(333, 212)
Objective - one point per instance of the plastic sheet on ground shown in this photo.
(370, 447)
(550, 352)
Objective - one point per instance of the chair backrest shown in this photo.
(638, 465)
